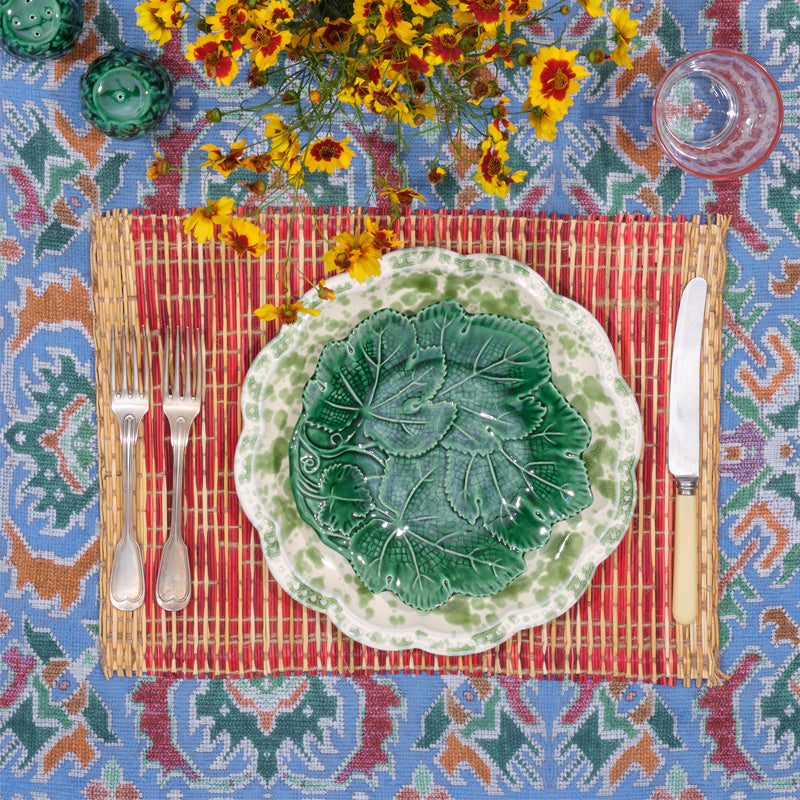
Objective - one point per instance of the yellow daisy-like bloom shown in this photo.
(517, 10)
(159, 18)
(391, 23)
(383, 239)
(202, 220)
(544, 126)
(359, 256)
(492, 174)
(594, 7)
(286, 313)
(244, 237)
(224, 163)
(624, 31)
(218, 62)
(265, 45)
(328, 155)
(554, 79)
(282, 139)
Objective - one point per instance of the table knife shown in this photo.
(684, 445)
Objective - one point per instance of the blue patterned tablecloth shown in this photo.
(66, 731)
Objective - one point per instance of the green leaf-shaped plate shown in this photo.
(452, 452)
(554, 569)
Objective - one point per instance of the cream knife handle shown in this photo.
(684, 581)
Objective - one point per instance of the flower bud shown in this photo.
(564, 9)
(597, 56)
(370, 40)
(256, 187)
(203, 26)
(315, 96)
(419, 119)
(525, 59)
(213, 115)
(289, 98)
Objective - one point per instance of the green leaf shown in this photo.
(381, 380)
(43, 644)
(96, 715)
(493, 364)
(524, 487)
(434, 724)
(419, 548)
(347, 499)
(108, 177)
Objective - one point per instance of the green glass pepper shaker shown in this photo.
(125, 93)
(38, 30)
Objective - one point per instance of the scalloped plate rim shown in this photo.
(382, 636)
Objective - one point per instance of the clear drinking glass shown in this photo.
(717, 113)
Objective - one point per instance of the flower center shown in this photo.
(327, 151)
(449, 41)
(494, 166)
(560, 80)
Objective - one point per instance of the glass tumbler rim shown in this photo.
(751, 62)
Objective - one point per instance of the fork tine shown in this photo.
(176, 364)
(187, 372)
(134, 358)
(146, 360)
(113, 365)
(124, 361)
(165, 366)
(201, 366)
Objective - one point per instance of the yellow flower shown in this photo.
(265, 45)
(492, 174)
(402, 197)
(159, 18)
(392, 23)
(359, 256)
(218, 62)
(286, 313)
(159, 167)
(328, 155)
(244, 237)
(224, 163)
(624, 31)
(544, 126)
(383, 239)
(554, 78)
(594, 7)
(202, 220)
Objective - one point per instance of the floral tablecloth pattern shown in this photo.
(66, 731)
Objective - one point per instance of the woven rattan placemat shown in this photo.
(628, 271)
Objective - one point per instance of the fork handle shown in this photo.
(126, 586)
(174, 583)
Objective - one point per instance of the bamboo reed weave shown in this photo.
(628, 271)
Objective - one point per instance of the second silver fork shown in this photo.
(181, 405)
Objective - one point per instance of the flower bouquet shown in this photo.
(403, 68)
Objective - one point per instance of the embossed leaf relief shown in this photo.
(433, 451)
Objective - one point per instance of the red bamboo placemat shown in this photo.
(628, 271)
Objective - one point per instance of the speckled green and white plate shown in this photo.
(584, 369)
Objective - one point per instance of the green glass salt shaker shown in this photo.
(125, 93)
(38, 30)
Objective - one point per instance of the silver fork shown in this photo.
(127, 574)
(181, 406)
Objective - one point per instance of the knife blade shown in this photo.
(683, 448)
